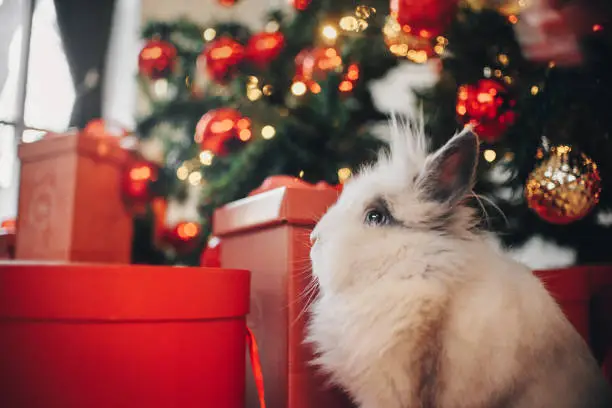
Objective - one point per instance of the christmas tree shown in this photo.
(239, 106)
(232, 107)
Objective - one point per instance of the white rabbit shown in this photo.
(417, 308)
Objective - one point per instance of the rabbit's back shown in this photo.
(508, 344)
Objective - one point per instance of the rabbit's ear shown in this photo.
(448, 175)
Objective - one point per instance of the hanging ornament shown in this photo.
(402, 43)
(211, 256)
(227, 3)
(183, 237)
(487, 106)
(157, 59)
(222, 57)
(564, 187)
(424, 18)
(264, 47)
(218, 127)
(300, 5)
(136, 183)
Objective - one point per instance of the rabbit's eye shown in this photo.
(376, 217)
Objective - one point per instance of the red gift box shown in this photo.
(70, 204)
(268, 234)
(101, 336)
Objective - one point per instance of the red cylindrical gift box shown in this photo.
(76, 336)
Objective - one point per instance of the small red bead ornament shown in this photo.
(487, 106)
(157, 59)
(264, 47)
(222, 57)
(218, 126)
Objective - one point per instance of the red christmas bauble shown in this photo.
(218, 126)
(425, 18)
(157, 59)
(183, 237)
(222, 57)
(487, 106)
(317, 62)
(300, 4)
(264, 47)
(227, 3)
(136, 183)
(211, 256)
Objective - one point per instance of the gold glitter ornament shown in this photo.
(364, 12)
(564, 187)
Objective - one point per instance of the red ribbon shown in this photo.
(256, 366)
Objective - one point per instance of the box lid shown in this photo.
(294, 202)
(53, 144)
(96, 292)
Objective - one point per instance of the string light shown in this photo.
(345, 86)
(267, 90)
(268, 132)
(272, 26)
(344, 174)
(206, 158)
(188, 230)
(513, 19)
(298, 88)
(503, 59)
(489, 155)
(349, 23)
(535, 90)
(329, 32)
(301, 175)
(209, 34)
(597, 27)
(195, 178)
(254, 94)
(182, 173)
(315, 88)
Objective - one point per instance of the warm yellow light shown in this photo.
(253, 80)
(268, 132)
(489, 155)
(254, 94)
(210, 34)
(344, 174)
(272, 26)
(535, 90)
(298, 88)
(206, 157)
(267, 90)
(417, 56)
(349, 23)
(194, 178)
(329, 32)
(245, 135)
(301, 175)
(182, 173)
(503, 59)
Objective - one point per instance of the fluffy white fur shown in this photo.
(409, 316)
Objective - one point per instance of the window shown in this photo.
(37, 92)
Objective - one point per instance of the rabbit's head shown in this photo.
(398, 217)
